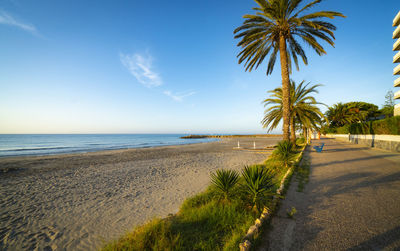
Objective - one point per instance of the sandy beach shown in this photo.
(80, 201)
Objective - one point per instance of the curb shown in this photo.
(266, 214)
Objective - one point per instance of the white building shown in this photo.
(396, 59)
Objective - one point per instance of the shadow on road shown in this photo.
(354, 160)
(380, 241)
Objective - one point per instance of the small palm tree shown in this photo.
(303, 108)
(285, 152)
(274, 28)
(224, 181)
(258, 184)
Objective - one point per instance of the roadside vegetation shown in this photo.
(218, 218)
(362, 118)
(302, 174)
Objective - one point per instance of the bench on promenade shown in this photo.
(319, 148)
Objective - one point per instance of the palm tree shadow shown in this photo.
(380, 241)
(350, 183)
(346, 150)
(354, 160)
(338, 185)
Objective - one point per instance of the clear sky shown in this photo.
(168, 66)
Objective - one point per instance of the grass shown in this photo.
(204, 221)
(303, 174)
(291, 213)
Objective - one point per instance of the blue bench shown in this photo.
(319, 148)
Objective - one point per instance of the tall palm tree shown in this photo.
(303, 108)
(274, 28)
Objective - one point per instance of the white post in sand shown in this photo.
(254, 144)
(238, 144)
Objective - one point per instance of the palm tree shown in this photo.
(272, 29)
(311, 119)
(340, 114)
(302, 106)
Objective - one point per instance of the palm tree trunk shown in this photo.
(285, 87)
(292, 131)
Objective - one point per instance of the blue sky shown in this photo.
(168, 66)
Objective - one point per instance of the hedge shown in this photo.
(389, 126)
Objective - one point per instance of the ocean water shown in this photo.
(49, 144)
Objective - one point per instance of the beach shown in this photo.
(80, 201)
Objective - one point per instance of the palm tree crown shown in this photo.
(272, 29)
(341, 114)
(303, 107)
(261, 32)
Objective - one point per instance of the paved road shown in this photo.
(352, 202)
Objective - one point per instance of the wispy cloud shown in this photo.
(141, 67)
(178, 96)
(7, 19)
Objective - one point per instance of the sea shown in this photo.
(50, 144)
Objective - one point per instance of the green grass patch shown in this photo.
(290, 214)
(202, 223)
(302, 174)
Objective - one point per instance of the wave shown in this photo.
(35, 149)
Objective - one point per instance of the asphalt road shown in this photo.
(352, 202)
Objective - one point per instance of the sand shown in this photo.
(80, 201)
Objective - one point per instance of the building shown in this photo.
(396, 59)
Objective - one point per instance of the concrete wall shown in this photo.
(386, 142)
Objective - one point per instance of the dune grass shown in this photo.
(205, 221)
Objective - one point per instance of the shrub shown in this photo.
(285, 152)
(224, 181)
(389, 126)
(300, 141)
(258, 184)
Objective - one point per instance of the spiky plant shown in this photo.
(285, 152)
(277, 26)
(258, 184)
(224, 181)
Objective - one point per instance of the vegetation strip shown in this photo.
(267, 213)
(218, 218)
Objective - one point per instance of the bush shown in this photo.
(285, 152)
(258, 184)
(389, 126)
(300, 141)
(224, 181)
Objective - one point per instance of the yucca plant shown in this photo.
(285, 152)
(258, 184)
(224, 181)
